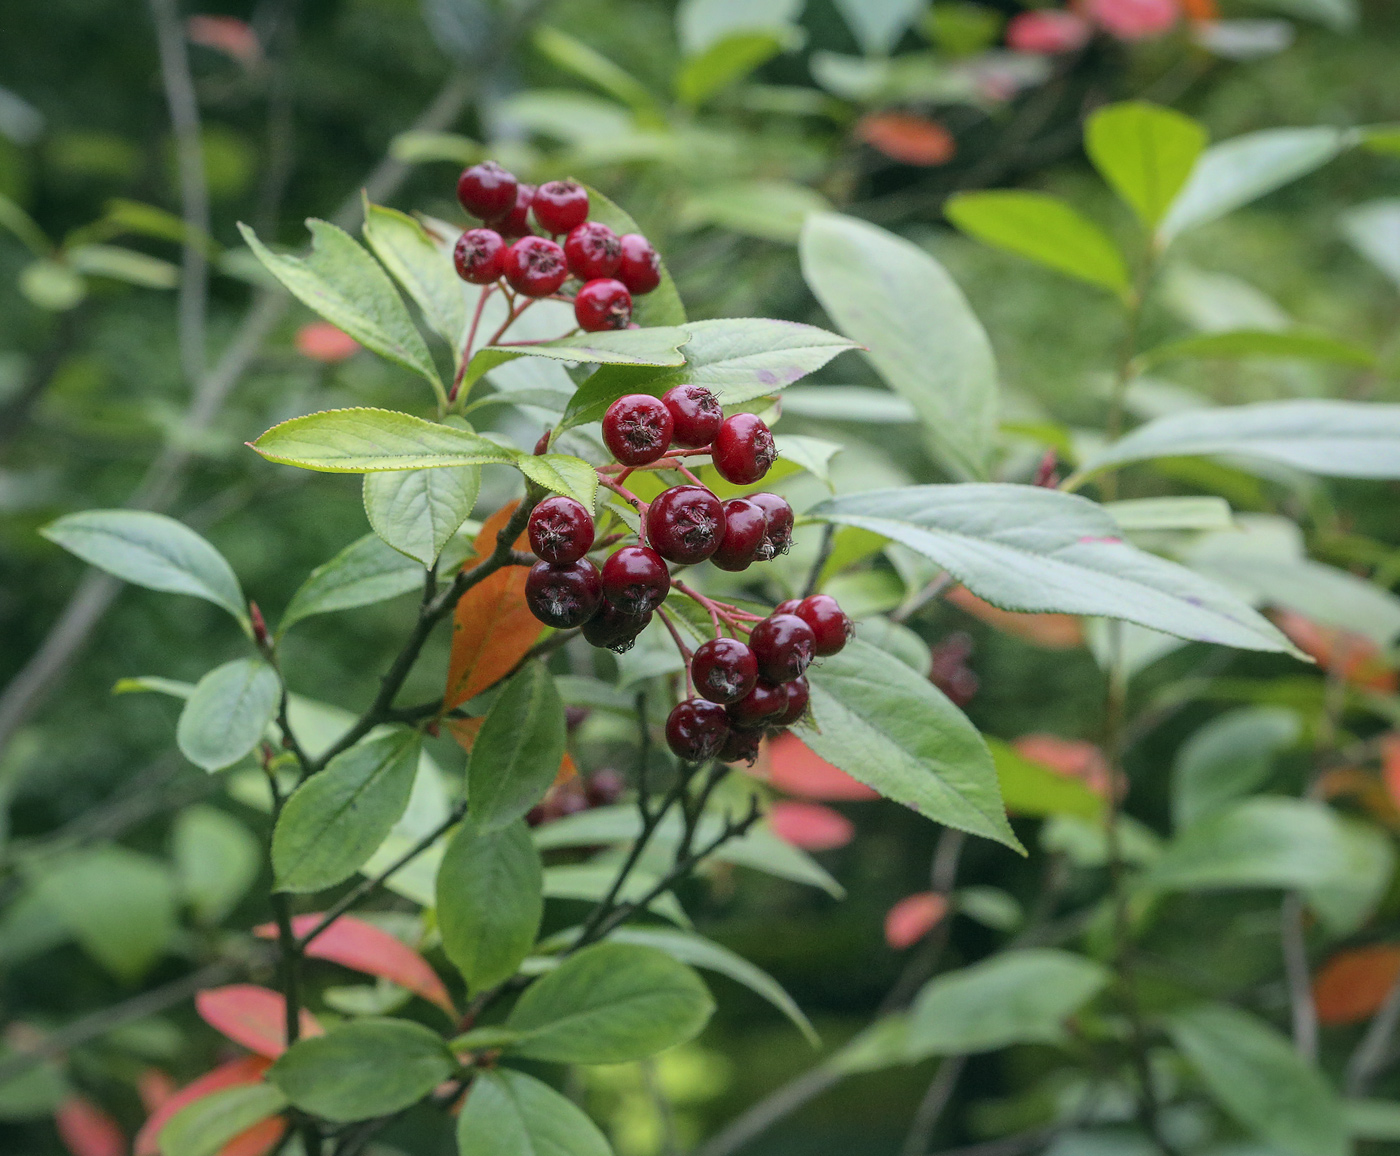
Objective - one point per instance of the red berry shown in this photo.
(744, 449)
(696, 730)
(561, 530)
(635, 580)
(563, 596)
(724, 670)
(779, 515)
(480, 256)
(611, 629)
(535, 266)
(829, 623)
(741, 746)
(799, 692)
(685, 524)
(486, 190)
(637, 429)
(515, 221)
(744, 530)
(640, 267)
(696, 413)
(783, 645)
(758, 706)
(560, 206)
(604, 786)
(593, 251)
(603, 303)
(788, 607)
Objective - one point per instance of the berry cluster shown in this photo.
(609, 270)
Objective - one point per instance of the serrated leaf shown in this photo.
(365, 572)
(417, 511)
(228, 713)
(657, 346)
(421, 268)
(361, 439)
(508, 1113)
(1145, 152)
(562, 474)
(517, 752)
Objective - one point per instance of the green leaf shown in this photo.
(576, 57)
(878, 24)
(228, 713)
(1345, 904)
(490, 898)
(770, 210)
(150, 550)
(1243, 343)
(1373, 229)
(368, 1068)
(1372, 1119)
(590, 882)
(347, 287)
(121, 264)
(424, 271)
(360, 439)
(417, 511)
(365, 572)
(508, 1113)
(1044, 229)
(883, 724)
(563, 474)
(662, 306)
(517, 752)
(1017, 997)
(610, 1003)
(216, 860)
(203, 1127)
(335, 820)
(1229, 758)
(1138, 515)
(848, 403)
(1258, 1078)
(726, 61)
(1029, 788)
(898, 302)
(658, 346)
(1145, 152)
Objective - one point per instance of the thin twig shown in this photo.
(1299, 976)
(777, 1105)
(940, 1091)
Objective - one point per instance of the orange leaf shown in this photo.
(1356, 658)
(1072, 758)
(87, 1130)
(1352, 985)
(904, 137)
(913, 917)
(1201, 10)
(258, 1140)
(797, 769)
(154, 1087)
(810, 826)
(1048, 631)
(244, 1070)
(252, 1016)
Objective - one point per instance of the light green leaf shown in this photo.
(1145, 152)
(728, 60)
(660, 346)
(365, 572)
(812, 454)
(562, 474)
(228, 713)
(1029, 788)
(1372, 1119)
(575, 56)
(1228, 758)
(1244, 343)
(1139, 515)
(508, 1113)
(590, 882)
(1374, 231)
(1338, 15)
(662, 306)
(203, 1127)
(1344, 905)
(416, 148)
(878, 24)
(770, 210)
(122, 264)
(216, 860)
(153, 684)
(517, 751)
(417, 511)
(848, 403)
(421, 268)
(360, 439)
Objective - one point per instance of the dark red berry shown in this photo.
(637, 429)
(480, 256)
(744, 449)
(563, 596)
(798, 695)
(640, 267)
(635, 580)
(696, 412)
(535, 266)
(830, 625)
(783, 645)
(779, 515)
(788, 607)
(696, 730)
(486, 190)
(745, 531)
(603, 303)
(560, 206)
(593, 251)
(611, 629)
(741, 746)
(762, 703)
(724, 670)
(604, 786)
(561, 530)
(685, 524)
(515, 221)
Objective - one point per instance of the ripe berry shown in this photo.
(593, 251)
(830, 625)
(535, 266)
(745, 530)
(758, 706)
(636, 581)
(696, 730)
(799, 692)
(741, 746)
(560, 206)
(637, 429)
(783, 645)
(611, 629)
(685, 524)
(604, 786)
(788, 607)
(486, 190)
(480, 256)
(724, 670)
(744, 449)
(779, 515)
(696, 413)
(563, 596)
(515, 221)
(603, 303)
(561, 530)
(640, 267)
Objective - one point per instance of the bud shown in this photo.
(255, 616)
(1046, 476)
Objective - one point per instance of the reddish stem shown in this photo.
(681, 646)
(471, 339)
(511, 318)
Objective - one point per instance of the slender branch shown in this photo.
(777, 1105)
(1299, 976)
(819, 562)
(14, 414)
(930, 1109)
(936, 587)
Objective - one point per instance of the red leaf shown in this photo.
(1048, 31)
(154, 1087)
(797, 769)
(226, 34)
(86, 1130)
(1352, 985)
(361, 946)
(258, 1140)
(905, 137)
(322, 341)
(1132, 19)
(810, 826)
(1356, 658)
(1072, 758)
(252, 1016)
(244, 1070)
(913, 917)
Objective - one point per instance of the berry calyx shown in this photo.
(799, 693)
(636, 581)
(561, 530)
(639, 267)
(779, 515)
(762, 703)
(784, 646)
(743, 449)
(535, 266)
(593, 251)
(741, 746)
(560, 206)
(486, 190)
(515, 221)
(831, 627)
(603, 303)
(724, 670)
(637, 429)
(480, 256)
(611, 629)
(696, 730)
(563, 596)
(685, 524)
(696, 412)
(745, 531)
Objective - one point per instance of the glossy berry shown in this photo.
(779, 515)
(764, 702)
(685, 524)
(604, 786)
(515, 221)
(745, 531)
(603, 303)
(724, 670)
(788, 607)
(696, 730)
(696, 412)
(480, 256)
(830, 625)
(799, 693)
(560, 206)
(744, 449)
(486, 190)
(561, 530)
(741, 746)
(637, 429)
(593, 251)
(535, 266)
(783, 645)
(611, 629)
(563, 596)
(635, 580)
(639, 268)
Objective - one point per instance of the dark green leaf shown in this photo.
(508, 1113)
(517, 752)
(228, 713)
(1227, 758)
